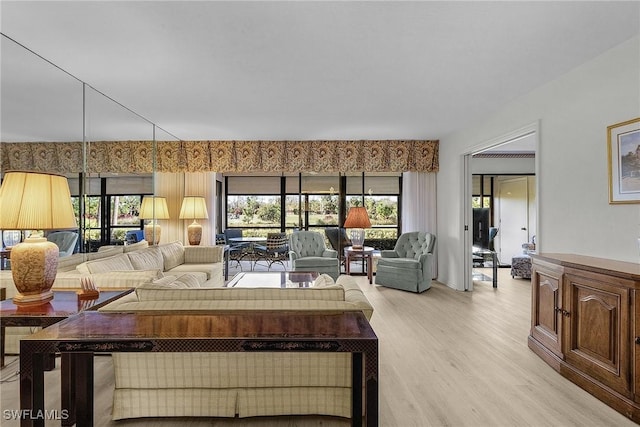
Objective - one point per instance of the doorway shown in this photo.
(514, 223)
(511, 157)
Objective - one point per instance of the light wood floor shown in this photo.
(447, 358)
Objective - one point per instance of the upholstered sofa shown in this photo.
(201, 265)
(130, 266)
(236, 384)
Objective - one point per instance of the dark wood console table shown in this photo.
(80, 336)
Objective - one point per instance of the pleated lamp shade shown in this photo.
(35, 201)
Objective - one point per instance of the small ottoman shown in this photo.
(521, 266)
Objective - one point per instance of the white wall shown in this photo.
(573, 112)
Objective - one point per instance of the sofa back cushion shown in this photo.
(136, 246)
(115, 263)
(146, 259)
(333, 293)
(173, 254)
(69, 263)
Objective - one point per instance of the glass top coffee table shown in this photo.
(273, 279)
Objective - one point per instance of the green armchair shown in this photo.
(308, 252)
(408, 265)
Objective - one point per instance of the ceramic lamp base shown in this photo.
(357, 238)
(34, 264)
(152, 233)
(194, 231)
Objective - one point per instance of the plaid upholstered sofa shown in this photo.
(130, 266)
(235, 384)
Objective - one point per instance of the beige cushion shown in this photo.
(191, 280)
(116, 263)
(136, 246)
(173, 254)
(69, 263)
(166, 282)
(323, 280)
(105, 253)
(146, 259)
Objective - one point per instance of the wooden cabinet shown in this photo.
(585, 324)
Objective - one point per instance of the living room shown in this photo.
(569, 107)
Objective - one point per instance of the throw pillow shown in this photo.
(166, 282)
(188, 280)
(323, 280)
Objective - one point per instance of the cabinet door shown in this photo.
(597, 333)
(635, 344)
(546, 316)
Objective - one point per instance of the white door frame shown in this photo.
(530, 130)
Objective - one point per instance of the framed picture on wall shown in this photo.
(623, 143)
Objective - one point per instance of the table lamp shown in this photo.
(153, 208)
(357, 220)
(194, 207)
(35, 201)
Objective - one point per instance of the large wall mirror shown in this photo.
(106, 150)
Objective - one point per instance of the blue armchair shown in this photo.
(408, 265)
(308, 252)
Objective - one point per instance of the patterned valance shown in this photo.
(224, 156)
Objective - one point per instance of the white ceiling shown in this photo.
(302, 70)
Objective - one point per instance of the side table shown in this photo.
(365, 253)
(63, 305)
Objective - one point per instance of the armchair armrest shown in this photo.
(330, 253)
(293, 256)
(425, 258)
(203, 254)
(388, 253)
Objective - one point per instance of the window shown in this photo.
(257, 215)
(111, 208)
(123, 215)
(260, 204)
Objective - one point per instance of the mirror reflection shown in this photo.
(105, 150)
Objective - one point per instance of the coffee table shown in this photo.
(63, 305)
(89, 332)
(273, 279)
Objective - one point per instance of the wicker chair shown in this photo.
(276, 250)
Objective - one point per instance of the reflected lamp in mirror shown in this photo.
(357, 220)
(153, 208)
(195, 208)
(35, 201)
